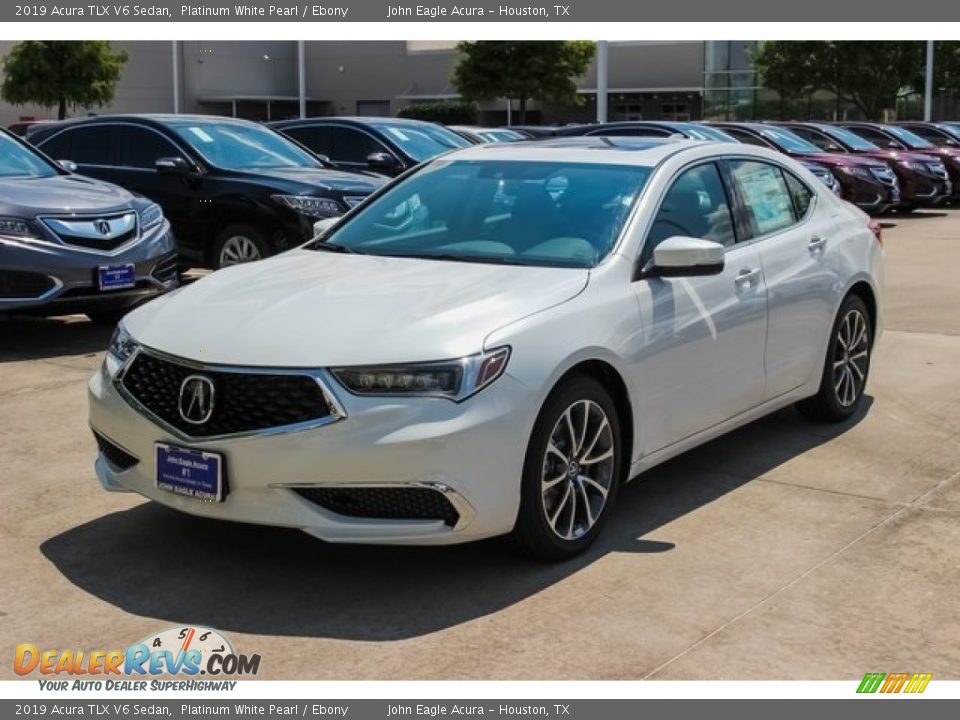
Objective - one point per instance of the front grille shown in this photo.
(386, 503)
(166, 268)
(116, 456)
(103, 233)
(242, 401)
(24, 285)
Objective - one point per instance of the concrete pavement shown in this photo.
(786, 550)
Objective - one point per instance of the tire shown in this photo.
(845, 370)
(240, 243)
(564, 501)
(906, 208)
(108, 317)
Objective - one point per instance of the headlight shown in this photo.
(856, 171)
(150, 216)
(122, 345)
(17, 229)
(312, 206)
(913, 165)
(453, 379)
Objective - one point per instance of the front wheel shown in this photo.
(240, 243)
(846, 365)
(572, 471)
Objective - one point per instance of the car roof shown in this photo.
(596, 150)
(154, 119)
(351, 119)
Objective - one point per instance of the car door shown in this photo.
(792, 235)
(704, 336)
(140, 148)
(350, 147)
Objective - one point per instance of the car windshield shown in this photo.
(554, 214)
(911, 140)
(18, 161)
(789, 141)
(242, 146)
(422, 142)
(704, 132)
(500, 135)
(849, 138)
(952, 128)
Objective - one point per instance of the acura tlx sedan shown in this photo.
(496, 341)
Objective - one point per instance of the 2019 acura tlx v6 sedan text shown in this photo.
(495, 342)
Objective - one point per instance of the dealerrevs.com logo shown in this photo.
(186, 652)
(888, 683)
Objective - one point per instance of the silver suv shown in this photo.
(73, 244)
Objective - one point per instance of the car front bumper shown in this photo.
(472, 452)
(69, 274)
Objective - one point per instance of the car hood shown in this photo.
(323, 178)
(60, 194)
(898, 155)
(842, 160)
(314, 309)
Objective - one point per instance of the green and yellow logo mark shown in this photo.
(894, 682)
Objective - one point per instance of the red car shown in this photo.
(923, 179)
(897, 137)
(869, 184)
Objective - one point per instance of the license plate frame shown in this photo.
(189, 472)
(122, 276)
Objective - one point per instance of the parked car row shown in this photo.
(877, 167)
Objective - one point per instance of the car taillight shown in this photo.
(877, 229)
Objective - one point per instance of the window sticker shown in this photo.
(201, 134)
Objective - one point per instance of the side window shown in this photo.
(801, 194)
(316, 137)
(353, 146)
(95, 145)
(765, 193)
(58, 147)
(696, 205)
(745, 137)
(142, 147)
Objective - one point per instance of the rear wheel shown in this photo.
(240, 243)
(846, 365)
(572, 470)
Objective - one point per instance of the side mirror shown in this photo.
(680, 256)
(173, 166)
(833, 147)
(68, 165)
(321, 227)
(382, 162)
(894, 145)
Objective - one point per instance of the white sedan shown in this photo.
(495, 342)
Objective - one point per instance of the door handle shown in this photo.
(746, 277)
(816, 244)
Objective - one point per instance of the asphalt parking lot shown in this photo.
(785, 550)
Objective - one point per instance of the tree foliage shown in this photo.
(60, 73)
(448, 112)
(522, 70)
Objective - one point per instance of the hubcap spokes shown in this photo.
(851, 358)
(577, 470)
(238, 249)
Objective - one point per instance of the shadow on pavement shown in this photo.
(155, 562)
(34, 338)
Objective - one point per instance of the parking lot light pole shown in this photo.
(602, 67)
(176, 77)
(928, 89)
(302, 76)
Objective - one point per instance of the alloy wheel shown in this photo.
(578, 468)
(238, 249)
(851, 357)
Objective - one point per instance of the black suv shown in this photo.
(379, 144)
(233, 190)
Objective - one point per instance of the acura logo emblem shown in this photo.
(196, 399)
(102, 226)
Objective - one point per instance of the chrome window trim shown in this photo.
(464, 509)
(321, 377)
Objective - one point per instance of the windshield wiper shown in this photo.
(453, 257)
(329, 247)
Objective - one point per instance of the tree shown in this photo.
(870, 75)
(522, 71)
(58, 73)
